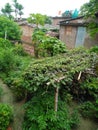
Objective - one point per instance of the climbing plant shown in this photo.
(45, 82)
(49, 71)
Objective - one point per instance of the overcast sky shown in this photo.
(48, 7)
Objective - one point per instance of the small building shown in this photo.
(27, 28)
(73, 32)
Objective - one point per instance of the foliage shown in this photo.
(10, 66)
(17, 9)
(19, 50)
(38, 19)
(46, 45)
(6, 116)
(9, 28)
(89, 10)
(39, 81)
(40, 114)
(10, 56)
(14, 78)
(16, 83)
(90, 86)
(94, 49)
(7, 10)
(48, 20)
(44, 75)
(51, 70)
(5, 43)
(8, 61)
(51, 46)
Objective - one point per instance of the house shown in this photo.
(27, 28)
(73, 32)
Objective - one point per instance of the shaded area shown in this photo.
(84, 123)
(8, 98)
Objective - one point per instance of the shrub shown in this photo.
(89, 109)
(94, 49)
(5, 43)
(15, 80)
(51, 69)
(9, 27)
(8, 61)
(47, 45)
(19, 50)
(6, 116)
(40, 114)
(90, 87)
(17, 85)
(42, 78)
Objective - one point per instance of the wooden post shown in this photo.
(79, 75)
(5, 35)
(56, 99)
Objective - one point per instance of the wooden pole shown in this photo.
(56, 99)
(79, 75)
(5, 35)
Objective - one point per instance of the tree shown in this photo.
(7, 10)
(48, 20)
(9, 29)
(88, 10)
(18, 9)
(37, 19)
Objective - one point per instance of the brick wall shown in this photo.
(56, 20)
(26, 33)
(68, 36)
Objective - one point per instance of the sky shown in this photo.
(47, 7)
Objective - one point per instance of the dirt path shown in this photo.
(84, 123)
(87, 124)
(8, 97)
